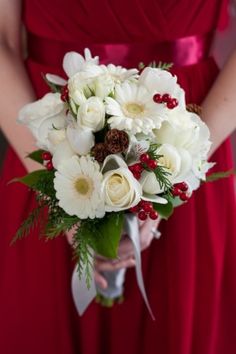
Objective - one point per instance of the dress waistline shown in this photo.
(181, 52)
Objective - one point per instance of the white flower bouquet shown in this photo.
(112, 141)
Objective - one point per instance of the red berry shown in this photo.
(137, 168)
(148, 207)
(137, 175)
(166, 98)
(175, 102)
(134, 209)
(176, 191)
(144, 158)
(170, 105)
(182, 186)
(152, 164)
(49, 166)
(153, 215)
(142, 203)
(157, 98)
(142, 215)
(46, 155)
(64, 93)
(184, 197)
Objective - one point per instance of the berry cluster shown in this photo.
(65, 93)
(47, 159)
(145, 162)
(181, 190)
(145, 209)
(167, 99)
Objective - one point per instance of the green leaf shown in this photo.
(164, 210)
(219, 175)
(36, 156)
(32, 178)
(107, 235)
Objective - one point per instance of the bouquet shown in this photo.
(115, 144)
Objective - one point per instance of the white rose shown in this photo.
(177, 163)
(121, 190)
(91, 114)
(81, 140)
(42, 117)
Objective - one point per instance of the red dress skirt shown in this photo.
(190, 273)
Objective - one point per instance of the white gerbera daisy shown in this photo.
(133, 109)
(78, 187)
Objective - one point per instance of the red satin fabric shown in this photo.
(180, 52)
(190, 273)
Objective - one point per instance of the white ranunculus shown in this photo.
(42, 117)
(81, 140)
(177, 163)
(62, 152)
(91, 114)
(121, 190)
(161, 81)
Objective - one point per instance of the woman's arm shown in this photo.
(16, 89)
(219, 107)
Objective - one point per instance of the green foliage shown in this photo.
(83, 252)
(36, 156)
(220, 175)
(31, 179)
(107, 233)
(29, 224)
(100, 235)
(53, 87)
(164, 210)
(154, 64)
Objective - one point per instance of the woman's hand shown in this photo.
(125, 252)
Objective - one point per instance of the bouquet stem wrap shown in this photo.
(83, 296)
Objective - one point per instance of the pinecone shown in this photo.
(100, 152)
(194, 108)
(116, 141)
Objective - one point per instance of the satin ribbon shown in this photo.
(83, 296)
(181, 51)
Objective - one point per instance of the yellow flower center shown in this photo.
(134, 109)
(84, 186)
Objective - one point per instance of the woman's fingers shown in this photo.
(100, 280)
(101, 265)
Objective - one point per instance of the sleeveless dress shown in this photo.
(190, 272)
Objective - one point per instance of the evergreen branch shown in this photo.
(28, 224)
(82, 252)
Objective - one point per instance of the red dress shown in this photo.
(190, 273)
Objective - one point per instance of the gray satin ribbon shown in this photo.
(83, 296)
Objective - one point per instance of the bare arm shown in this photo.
(219, 107)
(16, 89)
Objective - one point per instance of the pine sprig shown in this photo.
(83, 252)
(29, 224)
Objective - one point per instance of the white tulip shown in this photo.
(62, 152)
(81, 140)
(177, 163)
